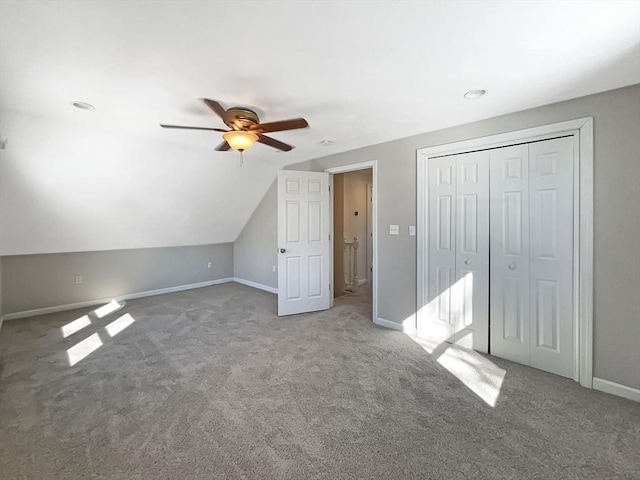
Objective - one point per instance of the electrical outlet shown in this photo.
(273, 268)
(78, 279)
(412, 230)
(394, 230)
(209, 264)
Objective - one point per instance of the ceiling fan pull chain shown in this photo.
(241, 158)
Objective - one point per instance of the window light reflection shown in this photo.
(84, 348)
(119, 324)
(75, 326)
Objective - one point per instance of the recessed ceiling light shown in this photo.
(473, 94)
(326, 143)
(83, 106)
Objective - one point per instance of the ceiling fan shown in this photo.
(246, 128)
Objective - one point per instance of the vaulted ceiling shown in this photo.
(361, 73)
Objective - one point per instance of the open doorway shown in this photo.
(353, 222)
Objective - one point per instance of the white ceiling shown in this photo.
(360, 72)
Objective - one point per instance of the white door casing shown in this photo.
(373, 165)
(304, 250)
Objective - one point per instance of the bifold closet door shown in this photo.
(551, 253)
(439, 321)
(531, 244)
(509, 245)
(471, 289)
(458, 273)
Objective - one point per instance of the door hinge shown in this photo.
(329, 187)
(329, 236)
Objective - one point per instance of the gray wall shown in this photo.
(617, 217)
(257, 243)
(37, 281)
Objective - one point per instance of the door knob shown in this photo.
(467, 262)
(512, 266)
(282, 250)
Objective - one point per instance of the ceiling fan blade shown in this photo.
(193, 128)
(223, 147)
(216, 107)
(272, 142)
(290, 124)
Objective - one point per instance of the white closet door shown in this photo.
(471, 287)
(458, 277)
(551, 253)
(440, 321)
(509, 244)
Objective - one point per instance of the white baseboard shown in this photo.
(362, 281)
(616, 389)
(129, 296)
(405, 326)
(260, 286)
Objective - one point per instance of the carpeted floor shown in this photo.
(210, 384)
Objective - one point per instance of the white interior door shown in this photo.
(304, 249)
(509, 244)
(439, 321)
(458, 279)
(551, 255)
(532, 254)
(471, 288)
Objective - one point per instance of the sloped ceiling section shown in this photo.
(360, 72)
(68, 187)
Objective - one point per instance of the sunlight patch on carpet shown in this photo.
(479, 374)
(105, 310)
(75, 326)
(83, 349)
(119, 324)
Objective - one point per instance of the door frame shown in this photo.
(373, 165)
(582, 131)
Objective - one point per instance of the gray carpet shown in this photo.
(210, 384)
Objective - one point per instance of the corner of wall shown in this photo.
(254, 251)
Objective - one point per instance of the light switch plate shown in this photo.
(412, 230)
(394, 230)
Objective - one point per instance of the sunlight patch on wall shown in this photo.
(75, 326)
(107, 309)
(119, 324)
(84, 348)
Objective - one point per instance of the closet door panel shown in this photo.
(509, 245)
(551, 249)
(471, 289)
(440, 319)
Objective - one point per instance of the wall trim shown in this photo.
(582, 131)
(404, 327)
(128, 296)
(616, 389)
(259, 286)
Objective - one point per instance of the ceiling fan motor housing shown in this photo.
(240, 118)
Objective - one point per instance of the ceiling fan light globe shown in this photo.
(240, 140)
